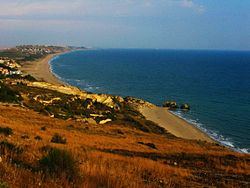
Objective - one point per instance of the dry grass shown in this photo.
(110, 156)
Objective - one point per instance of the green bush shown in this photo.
(6, 130)
(8, 95)
(30, 78)
(26, 77)
(60, 163)
(58, 139)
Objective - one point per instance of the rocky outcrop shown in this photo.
(170, 104)
(137, 102)
(108, 100)
(185, 107)
(88, 120)
(105, 121)
(38, 98)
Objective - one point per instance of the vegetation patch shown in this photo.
(43, 128)
(21, 77)
(60, 163)
(151, 145)
(6, 131)
(3, 185)
(25, 136)
(6, 147)
(57, 138)
(38, 138)
(142, 124)
(7, 94)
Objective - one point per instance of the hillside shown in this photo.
(59, 136)
(112, 156)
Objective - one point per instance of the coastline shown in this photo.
(40, 69)
(174, 124)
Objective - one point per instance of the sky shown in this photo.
(170, 24)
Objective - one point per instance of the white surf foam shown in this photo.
(228, 142)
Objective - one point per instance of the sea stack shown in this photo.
(172, 105)
(185, 107)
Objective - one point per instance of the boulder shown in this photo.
(119, 99)
(170, 104)
(105, 121)
(185, 107)
(88, 120)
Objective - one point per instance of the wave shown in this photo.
(52, 70)
(83, 84)
(211, 133)
(54, 58)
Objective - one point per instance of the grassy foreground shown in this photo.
(108, 156)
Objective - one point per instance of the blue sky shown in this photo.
(172, 24)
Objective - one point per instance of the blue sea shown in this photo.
(215, 83)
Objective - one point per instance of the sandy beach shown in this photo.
(173, 124)
(40, 69)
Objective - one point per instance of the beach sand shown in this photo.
(40, 69)
(173, 124)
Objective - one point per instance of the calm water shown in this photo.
(215, 83)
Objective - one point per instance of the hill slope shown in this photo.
(112, 155)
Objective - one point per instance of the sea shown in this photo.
(216, 84)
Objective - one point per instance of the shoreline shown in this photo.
(41, 70)
(174, 124)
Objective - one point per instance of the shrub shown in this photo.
(9, 147)
(43, 128)
(8, 95)
(38, 138)
(30, 78)
(60, 163)
(3, 185)
(25, 136)
(58, 139)
(6, 130)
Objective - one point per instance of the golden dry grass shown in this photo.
(110, 156)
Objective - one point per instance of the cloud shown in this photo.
(192, 5)
(55, 9)
(33, 7)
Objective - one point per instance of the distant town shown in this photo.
(11, 59)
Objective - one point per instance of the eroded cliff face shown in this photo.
(111, 101)
(67, 102)
(108, 100)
